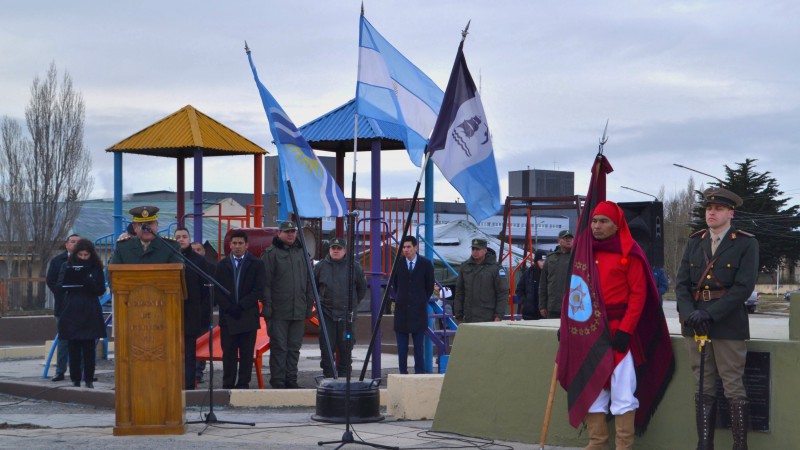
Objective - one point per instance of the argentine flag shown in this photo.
(461, 146)
(316, 193)
(392, 89)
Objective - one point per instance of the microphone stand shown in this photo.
(210, 417)
(352, 304)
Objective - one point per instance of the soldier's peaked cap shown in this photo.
(144, 213)
(722, 196)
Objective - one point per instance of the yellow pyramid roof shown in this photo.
(180, 133)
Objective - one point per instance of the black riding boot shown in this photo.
(740, 415)
(705, 407)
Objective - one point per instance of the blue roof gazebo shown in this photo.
(333, 132)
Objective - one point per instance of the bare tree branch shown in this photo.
(44, 179)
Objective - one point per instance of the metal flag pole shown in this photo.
(392, 273)
(310, 271)
(347, 436)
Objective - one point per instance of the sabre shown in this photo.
(701, 340)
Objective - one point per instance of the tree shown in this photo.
(44, 178)
(764, 213)
(677, 226)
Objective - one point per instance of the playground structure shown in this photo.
(529, 204)
(189, 133)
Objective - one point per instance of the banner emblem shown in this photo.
(580, 302)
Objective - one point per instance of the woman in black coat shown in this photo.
(81, 321)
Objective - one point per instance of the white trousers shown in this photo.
(620, 396)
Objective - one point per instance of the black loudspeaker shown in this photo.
(646, 221)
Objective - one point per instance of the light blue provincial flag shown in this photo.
(392, 89)
(461, 145)
(316, 193)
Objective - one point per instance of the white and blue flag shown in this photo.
(316, 193)
(461, 145)
(392, 89)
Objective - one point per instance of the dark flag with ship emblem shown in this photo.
(585, 358)
(461, 146)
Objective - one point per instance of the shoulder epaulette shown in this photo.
(167, 238)
(124, 238)
(743, 233)
(701, 234)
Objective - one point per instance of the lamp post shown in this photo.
(701, 173)
(645, 193)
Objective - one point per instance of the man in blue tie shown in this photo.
(243, 275)
(413, 286)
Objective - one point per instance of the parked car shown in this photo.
(788, 296)
(752, 302)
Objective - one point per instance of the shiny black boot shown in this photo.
(705, 407)
(740, 420)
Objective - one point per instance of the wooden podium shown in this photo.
(148, 327)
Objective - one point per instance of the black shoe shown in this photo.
(94, 379)
(58, 377)
(278, 385)
(89, 385)
(76, 383)
(292, 385)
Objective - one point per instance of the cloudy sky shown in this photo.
(699, 83)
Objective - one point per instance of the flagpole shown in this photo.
(397, 259)
(549, 409)
(311, 274)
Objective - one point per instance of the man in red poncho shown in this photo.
(624, 276)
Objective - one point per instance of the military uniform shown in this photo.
(130, 250)
(711, 288)
(481, 289)
(553, 283)
(724, 288)
(288, 301)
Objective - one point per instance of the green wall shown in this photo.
(498, 380)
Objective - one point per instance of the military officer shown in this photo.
(481, 287)
(717, 274)
(144, 248)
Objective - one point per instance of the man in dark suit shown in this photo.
(243, 275)
(62, 348)
(413, 286)
(195, 304)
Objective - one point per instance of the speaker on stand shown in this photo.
(646, 222)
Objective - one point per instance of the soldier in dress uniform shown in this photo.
(144, 248)
(717, 274)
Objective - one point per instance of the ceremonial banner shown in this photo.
(392, 89)
(316, 192)
(460, 144)
(585, 358)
